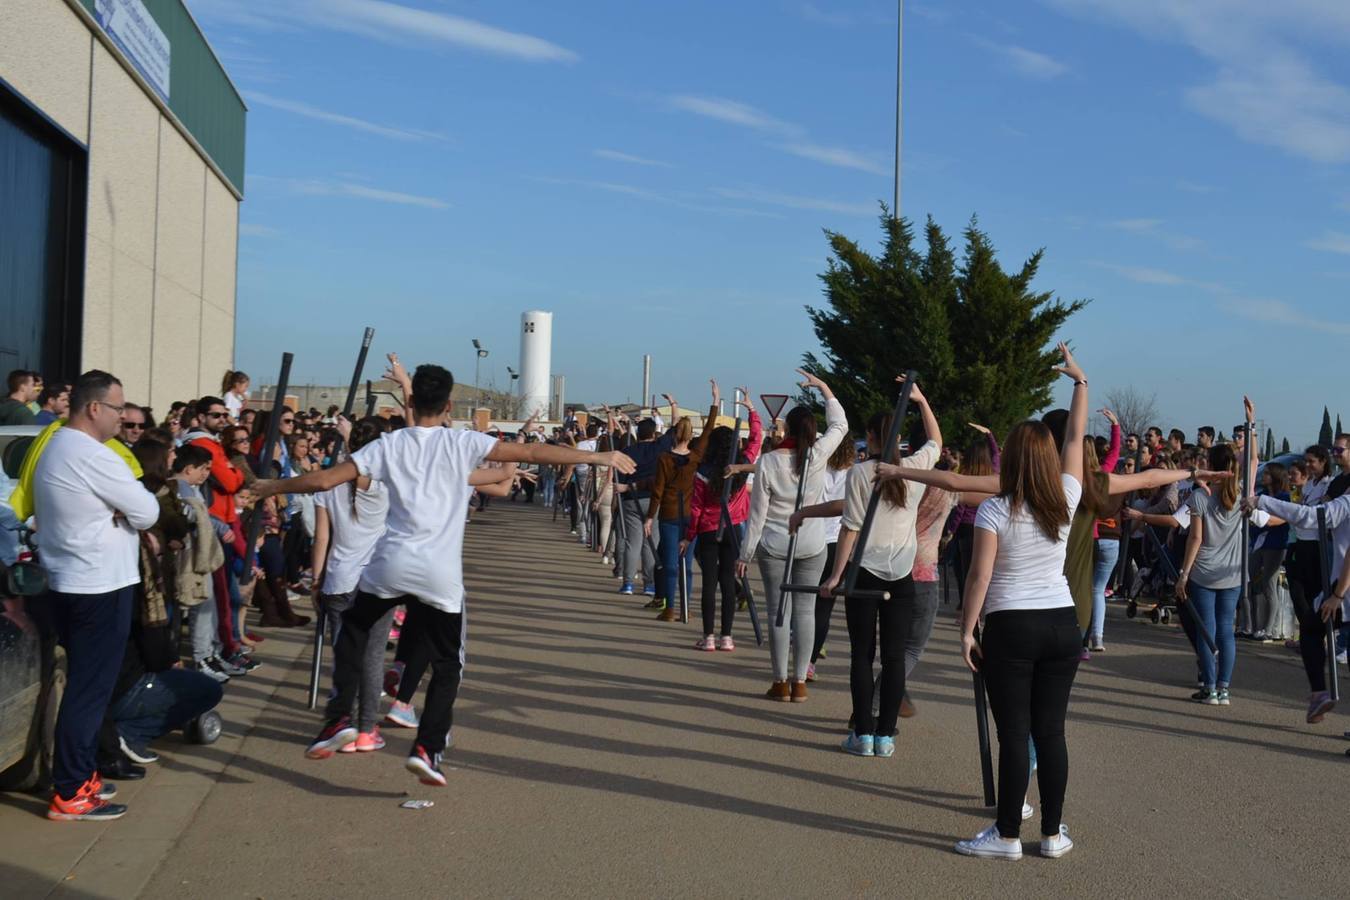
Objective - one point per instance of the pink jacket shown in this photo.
(705, 509)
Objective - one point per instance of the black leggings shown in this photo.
(717, 562)
(863, 616)
(1304, 568)
(1030, 658)
(824, 605)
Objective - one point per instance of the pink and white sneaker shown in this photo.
(726, 643)
(705, 643)
(368, 741)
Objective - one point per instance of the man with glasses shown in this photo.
(1340, 457)
(91, 508)
(133, 425)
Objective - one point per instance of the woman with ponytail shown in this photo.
(886, 564)
(717, 559)
(772, 503)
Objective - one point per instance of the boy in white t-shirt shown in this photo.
(426, 469)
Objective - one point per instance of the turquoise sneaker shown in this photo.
(884, 747)
(858, 744)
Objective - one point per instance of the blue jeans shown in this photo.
(1108, 551)
(162, 701)
(1217, 610)
(670, 533)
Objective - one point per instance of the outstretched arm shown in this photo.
(1156, 478)
(548, 453)
(941, 478)
(310, 483)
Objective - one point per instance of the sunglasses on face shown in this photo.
(216, 415)
(287, 421)
(133, 426)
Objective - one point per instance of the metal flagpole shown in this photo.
(1246, 521)
(899, 95)
(321, 614)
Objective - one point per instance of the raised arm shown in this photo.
(399, 375)
(1071, 454)
(836, 423)
(1113, 451)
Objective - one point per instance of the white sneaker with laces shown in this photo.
(1027, 811)
(1057, 845)
(990, 845)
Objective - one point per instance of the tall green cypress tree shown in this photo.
(1325, 437)
(980, 337)
(1284, 446)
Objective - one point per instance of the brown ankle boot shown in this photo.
(779, 690)
(798, 692)
(283, 599)
(262, 597)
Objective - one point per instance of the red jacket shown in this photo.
(226, 480)
(705, 509)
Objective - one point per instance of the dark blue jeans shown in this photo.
(93, 629)
(162, 701)
(670, 533)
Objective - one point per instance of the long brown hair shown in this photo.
(231, 379)
(1030, 477)
(1223, 459)
(684, 430)
(843, 457)
(1096, 484)
(977, 460)
(878, 430)
(801, 427)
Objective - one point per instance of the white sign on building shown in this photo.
(138, 36)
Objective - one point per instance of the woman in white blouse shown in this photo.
(772, 502)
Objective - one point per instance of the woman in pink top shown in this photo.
(717, 559)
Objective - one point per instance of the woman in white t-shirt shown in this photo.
(348, 521)
(886, 564)
(1029, 653)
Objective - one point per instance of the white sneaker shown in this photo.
(1058, 845)
(990, 845)
(1027, 811)
(1342, 658)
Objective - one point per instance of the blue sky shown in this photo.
(659, 175)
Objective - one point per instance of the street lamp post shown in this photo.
(482, 354)
(899, 73)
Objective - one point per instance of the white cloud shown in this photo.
(387, 22)
(733, 112)
(1278, 312)
(1332, 242)
(1029, 63)
(1148, 275)
(793, 201)
(837, 156)
(1263, 88)
(321, 188)
(1153, 228)
(689, 202)
(323, 115)
(620, 156)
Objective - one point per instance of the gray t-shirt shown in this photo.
(1218, 565)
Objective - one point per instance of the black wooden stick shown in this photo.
(1326, 550)
(1176, 576)
(264, 467)
(982, 729)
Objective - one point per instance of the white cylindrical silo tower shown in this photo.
(536, 357)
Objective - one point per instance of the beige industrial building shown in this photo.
(121, 175)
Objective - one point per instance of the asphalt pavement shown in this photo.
(597, 754)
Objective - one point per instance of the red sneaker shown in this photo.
(85, 806)
(335, 735)
(426, 766)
